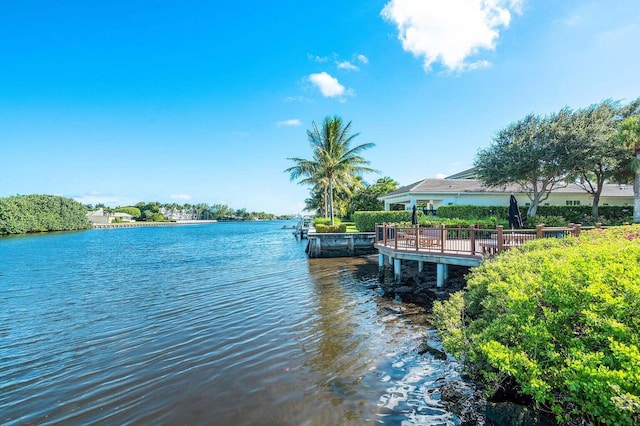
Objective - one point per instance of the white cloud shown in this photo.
(450, 31)
(180, 197)
(95, 197)
(328, 85)
(289, 123)
(363, 59)
(346, 65)
(440, 176)
(316, 58)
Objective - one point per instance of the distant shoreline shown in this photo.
(141, 224)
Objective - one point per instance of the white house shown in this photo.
(434, 193)
(99, 216)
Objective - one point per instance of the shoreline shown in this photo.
(142, 224)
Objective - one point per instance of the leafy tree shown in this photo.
(366, 199)
(629, 137)
(334, 162)
(530, 154)
(592, 148)
(133, 211)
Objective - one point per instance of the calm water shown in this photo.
(225, 323)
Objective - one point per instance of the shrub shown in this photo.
(38, 213)
(366, 221)
(559, 318)
(327, 229)
(326, 221)
(533, 221)
(614, 215)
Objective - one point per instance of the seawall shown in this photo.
(340, 244)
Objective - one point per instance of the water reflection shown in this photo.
(183, 332)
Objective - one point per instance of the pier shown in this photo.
(463, 246)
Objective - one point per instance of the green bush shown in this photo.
(133, 211)
(328, 229)
(533, 221)
(613, 215)
(366, 221)
(558, 317)
(326, 221)
(40, 213)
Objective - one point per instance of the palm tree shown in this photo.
(334, 164)
(629, 135)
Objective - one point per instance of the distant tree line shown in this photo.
(157, 212)
(21, 214)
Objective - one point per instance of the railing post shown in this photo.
(442, 237)
(500, 237)
(540, 230)
(576, 232)
(395, 236)
(472, 238)
(417, 231)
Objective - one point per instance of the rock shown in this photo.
(511, 414)
(425, 347)
(464, 402)
(403, 290)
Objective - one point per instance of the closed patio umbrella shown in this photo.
(515, 220)
(414, 216)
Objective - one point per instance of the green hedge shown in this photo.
(365, 221)
(559, 318)
(22, 214)
(574, 214)
(327, 229)
(326, 221)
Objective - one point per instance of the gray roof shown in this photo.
(475, 186)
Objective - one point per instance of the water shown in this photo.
(225, 323)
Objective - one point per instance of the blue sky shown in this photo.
(199, 101)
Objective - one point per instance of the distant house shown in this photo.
(99, 216)
(175, 214)
(459, 189)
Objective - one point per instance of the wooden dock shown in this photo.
(453, 246)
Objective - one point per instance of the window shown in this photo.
(573, 202)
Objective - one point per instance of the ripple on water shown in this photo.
(225, 323)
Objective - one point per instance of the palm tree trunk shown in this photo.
(331, 203)
(636, 192)
(326, 196)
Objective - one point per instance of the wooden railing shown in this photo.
(472, 240)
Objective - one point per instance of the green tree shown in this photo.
(629, 137)
(366, 199)
(334, 163)
(530, 154)
(592, 148)
(133, 211)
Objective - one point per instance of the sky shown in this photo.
(121, 102)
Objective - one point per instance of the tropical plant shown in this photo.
(335, 164)
(555, 320)
(366, 199)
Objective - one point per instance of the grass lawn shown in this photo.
(351, 226)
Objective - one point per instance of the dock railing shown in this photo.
(471, 241)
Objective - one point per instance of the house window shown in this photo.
(573, 202)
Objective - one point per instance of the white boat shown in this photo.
(302, 228)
